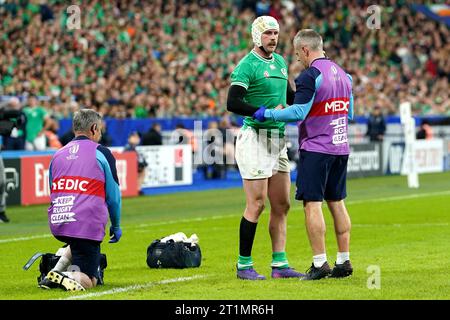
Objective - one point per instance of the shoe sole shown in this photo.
(309, 279)
(294, 277)
(67, 283)
(250, 279)
(306, 278)
(341, 276)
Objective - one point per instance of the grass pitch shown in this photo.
(403, 232)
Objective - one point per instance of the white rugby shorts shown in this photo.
(258, 156)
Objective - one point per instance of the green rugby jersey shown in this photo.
(266, 82)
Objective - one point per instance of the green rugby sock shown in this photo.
(245, 263)
(279, 260)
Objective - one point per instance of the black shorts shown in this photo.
(85, 254)
(321, 176)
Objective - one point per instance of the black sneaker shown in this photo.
(3, 217)
(101, 269)
(100, 273)
(314, 273)
(342, 270)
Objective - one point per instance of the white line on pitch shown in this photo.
(132, 288)
(399, 225)
(409, 196)
(25, 238)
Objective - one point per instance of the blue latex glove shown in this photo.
(259, 114)
(115, 233)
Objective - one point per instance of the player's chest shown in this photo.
(266, 72)
(270, 75)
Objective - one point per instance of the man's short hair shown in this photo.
(308, 38)
(84, 119)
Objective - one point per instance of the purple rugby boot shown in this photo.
(278, 273)
(250, 274)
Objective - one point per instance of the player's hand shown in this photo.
(279, 107)
(259, 114)
(115, 233)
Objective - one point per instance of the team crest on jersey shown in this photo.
(284, 72)
(73, 151)
(266, 74)
(333, 69)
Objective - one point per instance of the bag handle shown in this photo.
(32, 260)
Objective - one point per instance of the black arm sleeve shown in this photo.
(290, 94)
(236, 104)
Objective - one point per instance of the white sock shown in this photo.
(342, 257)
(62, 264)
(319, 260)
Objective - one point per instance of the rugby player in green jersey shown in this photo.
(261, 79)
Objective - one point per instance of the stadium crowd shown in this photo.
(173, 58)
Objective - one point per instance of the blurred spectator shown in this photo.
(37, 117)
(67, 137)
(425, 131)
(51, 134)
(134, 140)
(276, 10)
(262, 8)
(376, 126)
(106, 139)
(215, 167)
(153, 137)
(46, 12)
(16, 140)
(229, 135)
(182, 135)
(3, 217)
(177, 63)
